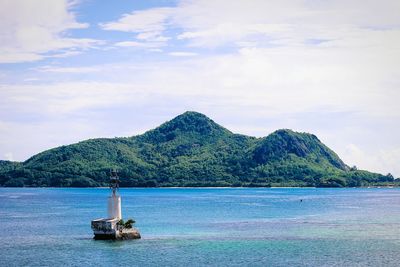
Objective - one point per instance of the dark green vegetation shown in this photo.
(191, 150)
(127, 225)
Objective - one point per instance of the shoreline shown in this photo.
(216, 187)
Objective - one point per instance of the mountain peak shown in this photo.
(189, 122)
(192, 115)
(285, 141)
(192, 121)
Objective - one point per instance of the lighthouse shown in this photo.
(113, 226)
(114, 200)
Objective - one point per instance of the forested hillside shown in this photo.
(190, 150)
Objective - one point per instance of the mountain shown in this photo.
(190, 150)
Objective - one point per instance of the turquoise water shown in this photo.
(204, 227)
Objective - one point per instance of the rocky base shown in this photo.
(124, 234)
(128, 234)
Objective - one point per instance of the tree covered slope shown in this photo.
(190, 150)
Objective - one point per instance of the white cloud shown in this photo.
(67, 69)
(215, 23)
(285, 80)
(149, 21)
(149, 24)
(264, 23)
(63, 98)
(140, 44)
(30, 138)
(152, 37)
(182, 54)
(30, 29)
(383, 160)
(302, 56)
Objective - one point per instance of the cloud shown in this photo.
(283, 23)
(140, 44)
(182, 54)
(260, 23)
(61, 99)
(67, 69)
(148, 24)
(380, 161)
(148, 21)
(30, 138)
(283, 80)
(31, 29)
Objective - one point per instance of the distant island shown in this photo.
(188, 151)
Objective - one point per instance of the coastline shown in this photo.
(214, 187)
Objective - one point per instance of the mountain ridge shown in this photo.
(190, 150)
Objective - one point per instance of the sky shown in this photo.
(71, 70)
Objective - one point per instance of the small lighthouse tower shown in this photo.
(114, 201)
(113, 226)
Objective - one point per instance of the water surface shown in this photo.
(204, 227)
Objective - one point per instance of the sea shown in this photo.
(204, 227)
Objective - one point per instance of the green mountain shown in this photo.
(190, 150)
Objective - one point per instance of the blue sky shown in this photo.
(73, 70)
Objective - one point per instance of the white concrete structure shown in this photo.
(114, 206)
(105, 228)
